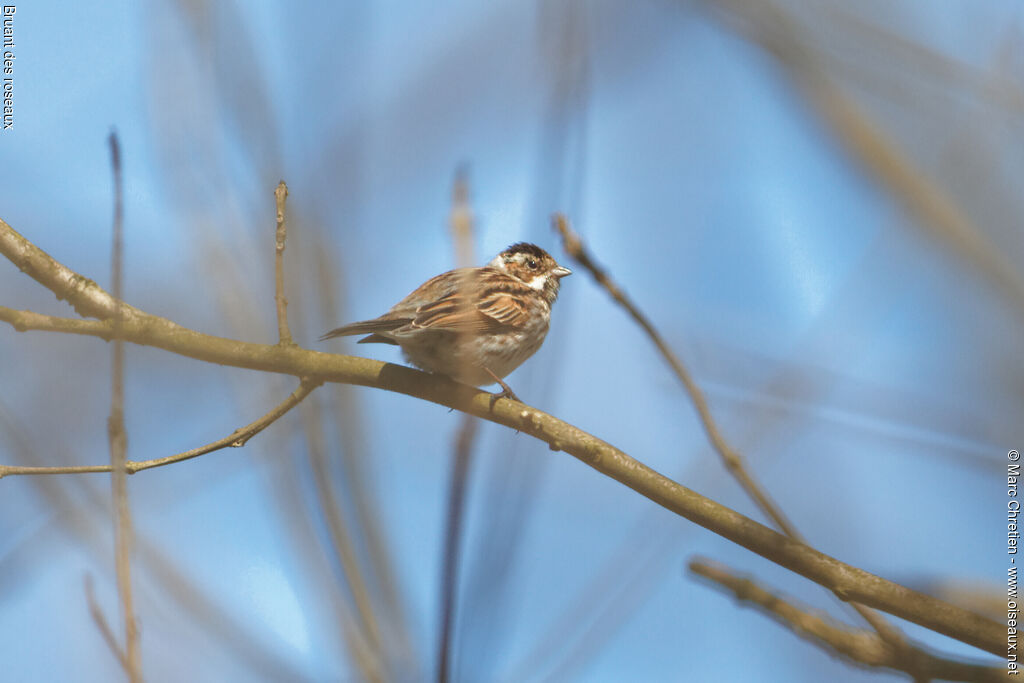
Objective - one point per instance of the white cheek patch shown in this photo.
(537, 282)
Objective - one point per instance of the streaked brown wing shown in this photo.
(498, 310)
(433, 291)
(506, 307)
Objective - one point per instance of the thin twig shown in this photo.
(235, 439)
(371, 657)
(101, 623)
(208, 619)
(730, 457)
(453, 544)
(461, 219)
(855, 645)
(461, 223)
(289, 481)
(770, 27)
(356, 489)
(284, 334)
(604, 601)
(849, 582)
(117, 436)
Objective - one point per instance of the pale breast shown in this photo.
(464, 357)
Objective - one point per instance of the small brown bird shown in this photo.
(475, 325)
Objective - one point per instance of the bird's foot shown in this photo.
(506, 391)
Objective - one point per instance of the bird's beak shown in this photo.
(561, 271)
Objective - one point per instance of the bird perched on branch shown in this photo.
(475, 325)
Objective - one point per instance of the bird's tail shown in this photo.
(372, 326)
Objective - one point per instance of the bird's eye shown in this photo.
(532, 264)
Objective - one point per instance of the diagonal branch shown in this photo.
(849, 582)
(766, 24)
(104, 627)
(730, 457)
(732, 460)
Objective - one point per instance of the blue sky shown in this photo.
(868, 371)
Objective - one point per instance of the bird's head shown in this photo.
(533, 266)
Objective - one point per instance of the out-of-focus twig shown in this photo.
(770, 27)
(453, 544)
(369, 650)
(461, 223)
(235, 439)
(283, 332)
(117, 436)
(954, 77)
(305, 538)
(856, 645)
(210, 623)
(461, 219)
(101, 623)
(603, 603)
(356, 488)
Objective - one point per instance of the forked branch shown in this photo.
(847, 581)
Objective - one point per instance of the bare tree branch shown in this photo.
(283, 332)
(733, 461)
(846, 581)
(118, 437)
(855, 645)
